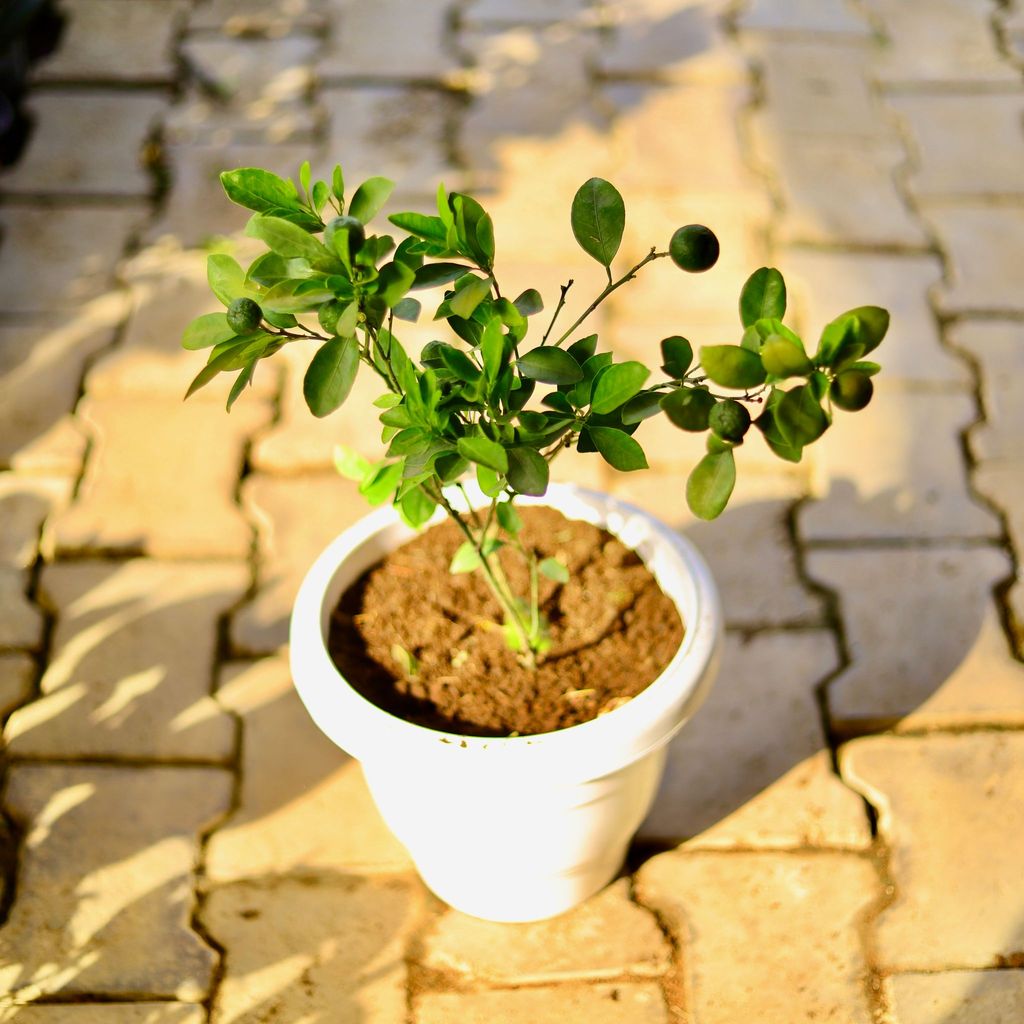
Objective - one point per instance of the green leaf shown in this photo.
(240, 382)
(394, 281)
(230, 355)
(550, 365)
(598, 218)
(873, 325)
(867, 368)
(466, 299)
(764, 295)
(263, 192)
(338, 183)
(510, 520)
(769, 427)
(676, 356)
(206, 330)
(616, 385)
(492, 349)
(710, 484)
(781, 358)
(689, 408)
(466, 559)
(732, 366)
(799, 416)
(483, 452)
(289, 240)
(226, 277)
(554, 570)
(407, 309)
(380, 483)
(490, 483)
(321, 193)
(286, 297)
(583, 349)
(408, 663)
(530, 302)
(305, 175)
(527, 471)
(458, 363)
(642, 407)
(618, 449)
(369, 198)
(430, 275)
(432, 229)
(330, 375)
(349, 463)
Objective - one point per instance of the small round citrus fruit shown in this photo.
(729, 420)
(356, 233)
(244, 316)
(852, 390)
(694, 248)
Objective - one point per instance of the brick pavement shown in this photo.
(839, 835)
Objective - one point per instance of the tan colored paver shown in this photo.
(300, 950)
(73, 152)
(949, 42)
(390, 41)
(303, 804)
(957, 997)
(105, 40)
(759, 592)
(906, 672)
(131, 663)
(765, 936)
(604, 937)
(98, 1013)
(21, 623)
(1003, 484)
(980, 242)
(567, 1004)
(104, 899)
(824, 284)
(131, 499)
(25, 502)
(820, 17)
(295, 520)
(17, 676)
(895, 471)
(997, 348)
(746, 771)
(966, 146)
(79, 249)
(950, 809)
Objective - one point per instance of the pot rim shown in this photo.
(652, 716)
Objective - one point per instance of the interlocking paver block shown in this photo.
(766, 936)
(78, 249)
(997, 348)
(295, 520)
(951, 809)
(252, 90)
(21, 623)
(949, 41)
(958, 997)
(924, 637)
(747, 770)
(895, 471)
(982, 243)
(100, 1013)
(820, 17)
(524, 12)
(259, 17)
(103, 898)
(74, 151)
(966, 146)
(132, 498)
(1003, 484)
(25, 502)
(567, 1004)
(817, 89)
(17, 676)
(759, 592)
(196, 209)
(303, 804)
(131, 663)
(825, 284)
(604, 937)
(390, 41)
(313, 949)
(106, 40)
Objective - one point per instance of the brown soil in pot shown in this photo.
(613, 632)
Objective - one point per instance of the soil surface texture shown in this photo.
(612, 633)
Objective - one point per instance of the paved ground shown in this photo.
(841, 832)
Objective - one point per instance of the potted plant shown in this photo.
(510, 677)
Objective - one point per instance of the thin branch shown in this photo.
(558, 309)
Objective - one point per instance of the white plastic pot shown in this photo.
(519, 828)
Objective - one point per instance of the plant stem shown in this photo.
(558, 309)
(611, 286)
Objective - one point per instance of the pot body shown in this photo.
(519, 828)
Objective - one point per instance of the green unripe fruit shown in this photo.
(694, 248)
(356, 233)
(689, 408)
(729, 420)
(852, 390)
(329, 314)
(244, 316)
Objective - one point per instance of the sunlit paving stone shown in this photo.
(824, 17)
(957, 997)
(102, 1013)
(951, 812)
(131, 663)
(17, 677)
(104, 897)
